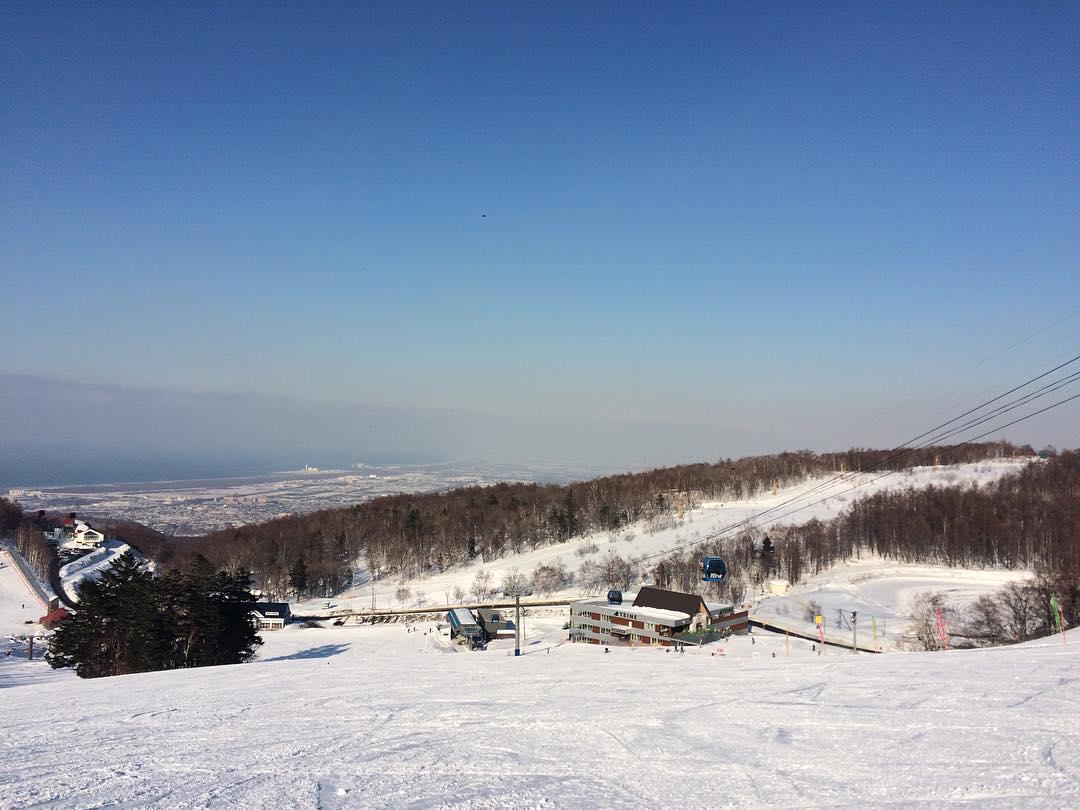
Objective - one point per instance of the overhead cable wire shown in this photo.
(824, 486)
(934, 386)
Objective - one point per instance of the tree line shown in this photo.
(28, 537)
(407, 535)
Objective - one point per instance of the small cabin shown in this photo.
(494, 622)
(271, 615)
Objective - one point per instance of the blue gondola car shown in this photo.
(713, 569)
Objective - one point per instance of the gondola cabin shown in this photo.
(713, 569)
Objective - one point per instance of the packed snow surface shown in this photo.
(376, 717)
(18, 603)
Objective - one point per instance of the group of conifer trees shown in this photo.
(130, 620)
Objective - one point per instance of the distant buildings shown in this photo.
(657, 617)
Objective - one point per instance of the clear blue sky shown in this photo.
(731, 215)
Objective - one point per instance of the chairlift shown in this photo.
(713, 569)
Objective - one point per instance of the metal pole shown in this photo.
(854, 624)
(517, 625)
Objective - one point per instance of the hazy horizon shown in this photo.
(235, 237)
(73, 433)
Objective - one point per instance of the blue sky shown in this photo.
(720, 215)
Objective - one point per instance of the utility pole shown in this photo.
(517, 625)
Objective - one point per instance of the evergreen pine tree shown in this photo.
(130, 621)
(239, 636)
(298, 577)
(113, 632)
(767, 557)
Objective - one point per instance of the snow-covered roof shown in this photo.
(656, 614)
(463, 616)
(272, 610)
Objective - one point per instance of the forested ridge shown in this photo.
(407, 535)
(1030, 519)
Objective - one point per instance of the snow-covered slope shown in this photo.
(644, 539)
(378, 717)
(18, 603)
(882, 592)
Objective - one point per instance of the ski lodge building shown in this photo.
(657, 617)
(271, 615)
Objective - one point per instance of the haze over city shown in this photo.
(248, 237)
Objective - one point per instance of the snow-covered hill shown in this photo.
(388, 717)
(647, 538)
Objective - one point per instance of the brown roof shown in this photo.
(688, 603)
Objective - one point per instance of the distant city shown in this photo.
(186, 507)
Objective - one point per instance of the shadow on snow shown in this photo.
(325, 651)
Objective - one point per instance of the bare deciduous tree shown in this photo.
(481, 585)
(514, 583)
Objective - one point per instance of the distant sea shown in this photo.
(49, 471)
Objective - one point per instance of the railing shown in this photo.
(831, 642)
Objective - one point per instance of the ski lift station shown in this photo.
(655, 617)
(463, 623)
(479, 626)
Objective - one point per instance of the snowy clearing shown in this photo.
(882, 592)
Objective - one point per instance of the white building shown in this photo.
(85, 537)
(271, 615)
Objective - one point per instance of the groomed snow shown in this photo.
(18, 603)
(375, 717)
